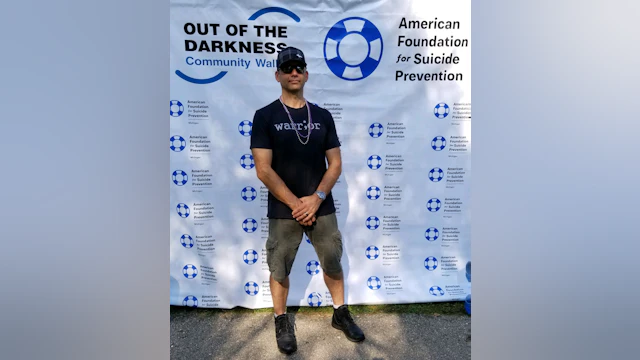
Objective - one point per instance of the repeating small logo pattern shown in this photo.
(376, 130)
(246, 161)
(373, 193)
(187, 241)
(372, 252)
(190, 301)
(431, 234)
(430, 263)
(183, 210)
(438, 143)
(177, 143)
(434, 205)
(250, 257)
(248, 193)
(436, 174)
(175, 108)
(190, 271)
(374, 162)
(245, 127)
(249, 225)
(441, 110)
(251, 288)
(374, 283)
(313, 267)
(372, 222)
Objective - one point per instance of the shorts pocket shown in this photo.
(271, 243)
(271, 248)
(337, 241)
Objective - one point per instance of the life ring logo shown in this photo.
(353, 48)
(314, 299)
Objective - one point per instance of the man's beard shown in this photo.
(294, 89)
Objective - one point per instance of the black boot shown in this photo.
(342, 320)
(285, 335)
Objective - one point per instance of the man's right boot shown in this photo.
(285, 335)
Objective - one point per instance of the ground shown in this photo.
(432, 331)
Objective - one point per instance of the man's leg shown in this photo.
(279, 293)
(327, 241)
(335, 283)
(282, 247)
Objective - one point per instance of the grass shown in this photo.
(437, 308)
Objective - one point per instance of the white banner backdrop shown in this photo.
(396, 76)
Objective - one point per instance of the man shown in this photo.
(290, 141)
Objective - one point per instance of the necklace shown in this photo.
(308, 136)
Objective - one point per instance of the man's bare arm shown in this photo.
(262, 159)
(333, 171)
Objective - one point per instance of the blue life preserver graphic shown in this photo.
(353, 48)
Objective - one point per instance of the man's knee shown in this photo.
(280, 277)
(336, 275)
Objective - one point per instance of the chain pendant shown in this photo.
(309, 126)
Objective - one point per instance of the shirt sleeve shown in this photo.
(260, 132)
(332, 140)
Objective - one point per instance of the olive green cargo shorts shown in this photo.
(285, 237)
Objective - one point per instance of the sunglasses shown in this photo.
(288, 68)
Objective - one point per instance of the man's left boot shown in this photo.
(342, 320)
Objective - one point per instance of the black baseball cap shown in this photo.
(290, 54)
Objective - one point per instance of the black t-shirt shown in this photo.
(301, 167)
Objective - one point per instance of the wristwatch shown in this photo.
(321, 195)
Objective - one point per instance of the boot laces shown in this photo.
(346, 316)
(284, 326)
